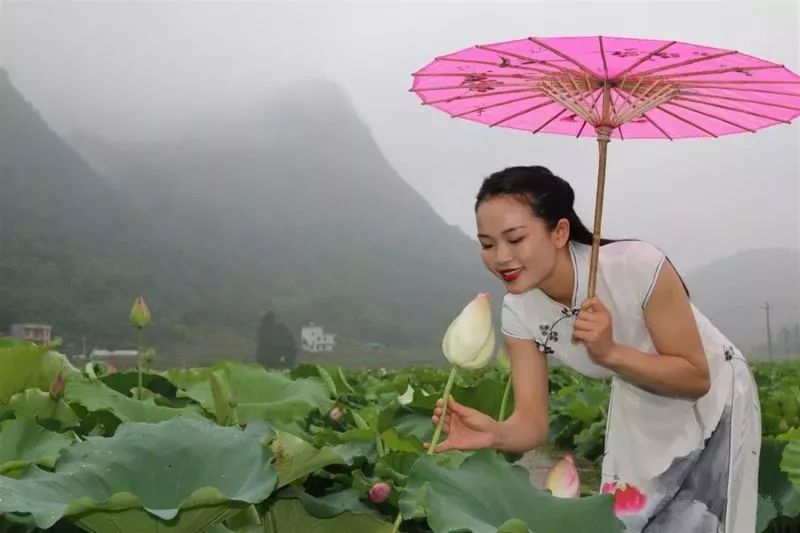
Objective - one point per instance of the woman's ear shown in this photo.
(560, 234)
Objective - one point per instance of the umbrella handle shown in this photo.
(603, 137)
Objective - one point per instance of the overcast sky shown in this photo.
(140, 69)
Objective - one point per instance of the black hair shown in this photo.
(550, 198)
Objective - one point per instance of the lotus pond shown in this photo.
(238, 448)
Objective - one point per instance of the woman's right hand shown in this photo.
(466, 428)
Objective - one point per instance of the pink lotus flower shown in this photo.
(379, 492)
(627, 498)
(563, 480)
(336, 413)
(57, 387)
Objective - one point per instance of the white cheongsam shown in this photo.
(674, 465)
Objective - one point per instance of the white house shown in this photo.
(37, 333)
(104, 354)
(314, 339)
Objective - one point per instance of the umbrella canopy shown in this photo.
(610, 87)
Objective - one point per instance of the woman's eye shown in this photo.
(515, 241)
(486, 246)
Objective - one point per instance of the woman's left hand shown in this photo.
(594, 329)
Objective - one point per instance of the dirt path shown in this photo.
(537, 463)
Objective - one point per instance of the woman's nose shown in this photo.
(502, 254)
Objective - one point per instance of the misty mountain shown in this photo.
(289, 206)
(732, 292)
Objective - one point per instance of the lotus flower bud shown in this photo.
(379, 492)
(336, 413)
(627, 498)
(221, 392)
(470, 339)
(150, 356)
(57, 387)
(563, 480)
(140, 314)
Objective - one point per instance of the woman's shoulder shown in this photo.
(521, 313)
(631, 250)
(632, 265)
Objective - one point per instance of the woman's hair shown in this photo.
(550, 198)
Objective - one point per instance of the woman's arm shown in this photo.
(527, 426)
(680, 368)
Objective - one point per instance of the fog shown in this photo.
(151, 70)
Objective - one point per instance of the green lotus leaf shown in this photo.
(485, 492)
(289, 516)
(177, 475)
(766, 512)
(329, 505)
(26, 365)
(38, 404)
(95, 396)
(262, 395)
(23, 441)
(124, 382)
(295, 458)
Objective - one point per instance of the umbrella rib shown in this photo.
(526, 58)
(480, 62)
(570, 94)
(451, 87)
(591, 109)
(687, 121)
(647, 103)
(566, 101)
(562, 55)
(471, 74)
(740, 89)
(480, 95)
(749, 82)
(736, 110)
(499, 104)
(613, 114)
(632, 92)
(519, 113)
(686, 62)
(551, 119)
(628, 105)
(574, 83)
(732, 98)
(644, 58)
(659, 128)
(603, 55)
(716, 71)
(709, 115)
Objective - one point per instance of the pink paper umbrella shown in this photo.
(610, 87)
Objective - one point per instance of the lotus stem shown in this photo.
(379, 446)
(397, 521)
(139, 361)
(445, 398)
(435, 440)
(504, 403)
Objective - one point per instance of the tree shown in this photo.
(275, 344)
(786, 337)
(797, 338)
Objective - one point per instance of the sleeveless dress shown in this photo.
(674, 465)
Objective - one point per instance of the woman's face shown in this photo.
(517, 246)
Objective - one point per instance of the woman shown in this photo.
(684, 425)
